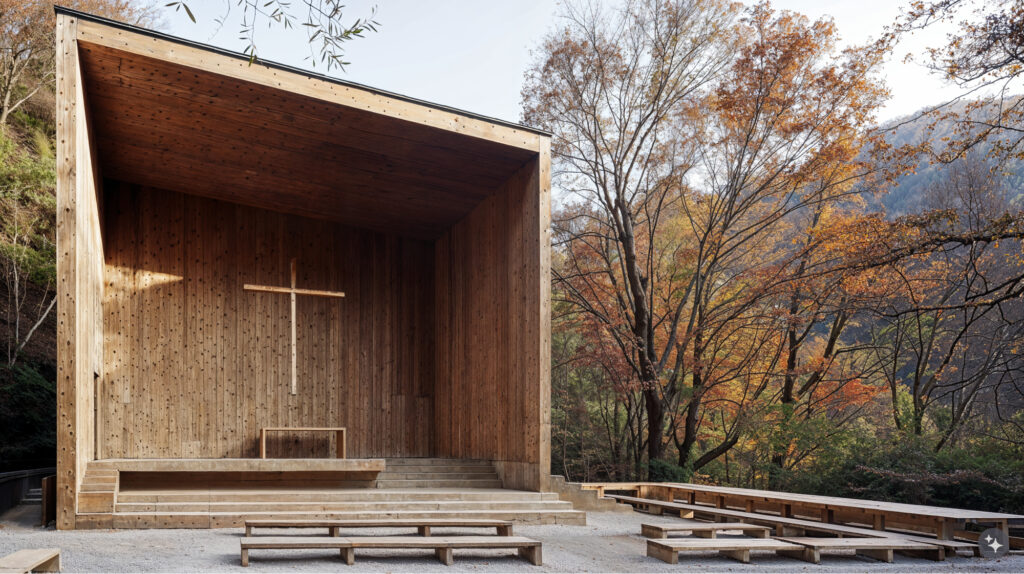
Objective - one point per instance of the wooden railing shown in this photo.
(14, 485)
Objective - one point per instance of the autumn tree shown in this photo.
(27, 43)
(984, 57)
(778, 142)
(690, 141)
(949, 338)
(608, 86)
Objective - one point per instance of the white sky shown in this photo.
(471, 54)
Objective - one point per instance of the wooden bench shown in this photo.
(31, 560)
(736, 548)
(790, 526)
(422, 526)
(702, 529)
(441, 545)
(877, 548)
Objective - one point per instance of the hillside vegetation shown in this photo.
(27, 293)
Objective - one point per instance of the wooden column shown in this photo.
(493, 333)
(79, 276)
(67, 85)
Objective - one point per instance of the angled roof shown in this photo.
(177, 115)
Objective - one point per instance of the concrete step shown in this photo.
(436, 462)
(384, 483)
(354, 495)
(438, 476)
(466, 469)
(233, 520)
(380, 507)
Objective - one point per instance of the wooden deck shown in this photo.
(943, 522)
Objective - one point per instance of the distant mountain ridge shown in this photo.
(908, 195)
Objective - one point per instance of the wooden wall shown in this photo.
(195, 365)
(79, 276)
(493, 332)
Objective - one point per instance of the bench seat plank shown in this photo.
(877, 548)
(423, 525)
(31, 559)
(668, 550)
(442, 545)
(788, 526)
(702, 529)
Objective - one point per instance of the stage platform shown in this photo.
(224, 493)
(375, 465)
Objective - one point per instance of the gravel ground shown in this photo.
(609, 543)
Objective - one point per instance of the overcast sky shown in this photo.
(471, 54)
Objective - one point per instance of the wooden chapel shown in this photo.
(243, 247)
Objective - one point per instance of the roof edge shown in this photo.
(291, 69)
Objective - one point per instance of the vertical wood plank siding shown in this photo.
(493, 332)
(196, 365)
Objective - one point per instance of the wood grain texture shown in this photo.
(434, 224)
(79, 276)
(197, 365)
(493, 333)
(175, 125)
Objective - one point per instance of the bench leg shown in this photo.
(334, 531)
(662, 553)
(51, 565)
(757, 533)
(505, 530)
(245, 557)
(532, 554)
(704, 533)
(423, 530)
(248, 530)
(782, 530)
(649, 531)
(349, 555)
(655, 510)
(938, 554)
(444, 555)
(878, 522)
(880, 554)
(806, 554)
(742, 555)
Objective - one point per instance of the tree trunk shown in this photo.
(655, 424)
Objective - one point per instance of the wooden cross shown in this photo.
(293, 291)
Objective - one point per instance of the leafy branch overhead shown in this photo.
(324, 22)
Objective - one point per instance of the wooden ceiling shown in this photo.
(171, 126)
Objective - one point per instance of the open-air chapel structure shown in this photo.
(281, 294)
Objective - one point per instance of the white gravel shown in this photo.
(609, 543)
